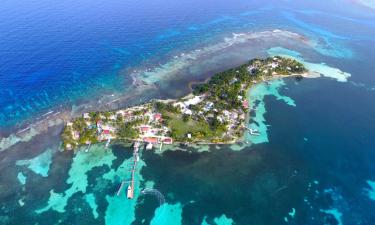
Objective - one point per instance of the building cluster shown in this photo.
(147, 124)
(216, 112)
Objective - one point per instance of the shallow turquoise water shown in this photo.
(40, 164)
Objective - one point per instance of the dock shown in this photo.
(252, 131)
(108, 142)
(88, 148)
(121, 186)
(161, 145)
(130, 189)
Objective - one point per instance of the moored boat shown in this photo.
(129, 193)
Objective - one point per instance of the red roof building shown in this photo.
(167, 141)
(245, 104)
(106, 132)
(144, 129)
(152, 140)
(157, 116)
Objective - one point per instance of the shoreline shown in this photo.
(60, 117)
(214, 112)
(195, 82)
(239, 140)
(33, 126)
(137, 75)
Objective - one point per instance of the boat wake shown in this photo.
(160, 197)
(156, 193)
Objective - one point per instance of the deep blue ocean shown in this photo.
(315, 165)
(58, 53)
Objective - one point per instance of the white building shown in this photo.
(187, 111)
(193, 101)
(86, 116)
(208, 106)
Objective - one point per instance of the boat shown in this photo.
(254, 132)
(149, 146)
(129, 192)
(88, 148)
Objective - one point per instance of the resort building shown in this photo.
(168, 141)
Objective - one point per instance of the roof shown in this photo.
(167, 140)
(106, 132)
(193, 101)
(150, 140)
(144, 129)
(157, 116)
(245, 104)
(188, 111)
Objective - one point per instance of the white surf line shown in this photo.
(39, 121)
(117, 99)
(23, 130)
(47, 113)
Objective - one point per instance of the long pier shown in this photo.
(130, 189)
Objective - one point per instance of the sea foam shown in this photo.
(317, 68)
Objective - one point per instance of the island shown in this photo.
(214, 113)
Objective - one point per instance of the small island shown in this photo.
(214, 113)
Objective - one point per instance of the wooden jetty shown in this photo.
(252, 131)
(121, 186)
(130, 189)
